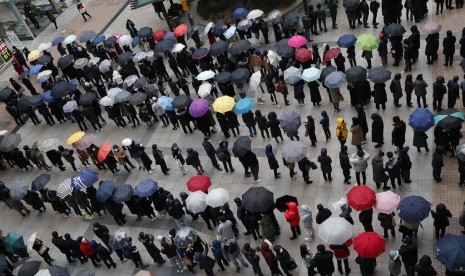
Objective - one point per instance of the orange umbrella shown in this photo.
(158, 34)
(180, 30)
(104, 151)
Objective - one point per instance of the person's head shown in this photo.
(449, 33)
(276, 248)
(440, 79)
(61, 148)
(80, 239)
(456, 78)
(381, 153)
(319, 207)
(381, 35)
(96, 225)
(409, 77)
(310, 7)
(344, 148)
(67, 236)
(320, 248)
(141, 235)
(318, 6)
(420, 77)
(223, 219)
(310, 119)
(407, 240)
(55, 234)
(398, 76)
(396, 119)
(393, 255)
(303, 250)
(355, 121)
(26, 147)
(360, 153)
(390, 155)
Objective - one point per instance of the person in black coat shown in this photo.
(45, 112)
(409, 253)
(396, 89)
(425, 267)
(262, 124)
(323, 261)
(366, 218)
(398, 133)
(233, 123)
(367, 265)
(275, 129)
(325, 164)
(250, 159)
(284, 258)
(55, 158)
(223, 124)
(145, 207)
(379, 95)
(448, 44)
(252, 257)
(431, 49)
(194, 160)
(206, 122)
(159, 159)
(377, 130)
(211, 152)
(116, 210)
(441, 220)
(345, 164)
(176, 211)
(152, 249)
(73, 247)
(103, 253)
(19, 55)
(272, 162)
(102, 232)
(363, 120)
(29, 86)
(33, 199)
(59, 242)
(437, 163)
(96, 206)
(420, 140)
(250, 122)
(323, 214)
(453, 91)
(387, 223)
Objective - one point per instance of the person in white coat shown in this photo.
(359, 162)
(307, 221)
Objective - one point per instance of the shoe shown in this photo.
(292, 238)
(220, 169)
(309, 239)
(257, 181)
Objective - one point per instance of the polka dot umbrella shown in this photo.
(414, 208)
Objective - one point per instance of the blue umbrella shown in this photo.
(86, 36)
(84, 179)
(166, 103)
(99, 39)
(218, 28)
(335, 79)
(105, 191)
(169, 35)
(146, 188)
(123, 193)
(421, 119)
(414, 208)
(35, 70)
(346, 41)
(135, 41)
(239, 13)
(57, 40)
(244, 105)
(450, 251)
(47, 97)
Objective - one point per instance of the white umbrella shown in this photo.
(178, 47)
(254, 14)
(44, 74)
(244, 24)
(30, 241)
(64, 188)
(207, 28)
(113, 92)
(80, 63)
(49, 144)
(196, 203)
(337, 205)
(43, 272)
(106, 101)
(121, 233)
(255, 80)
(126, 142)
(44, 46)
(274, 16)
(104, 66)
(204, 89)
(230, 32)
(3, 132)
(130, 80)
(292, 75)
(93, 61)
(311, 74)
(273, 58)
(125, 40)
(70, 106)
(139, 56)
(69, 39)
(205, 75)
(335, 231)
(217, 197)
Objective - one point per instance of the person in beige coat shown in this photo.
(122, 157)
(255, 62)
(357, 133)
(337, 97)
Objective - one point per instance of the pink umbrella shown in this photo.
(386, 202)
(117, 35)
(297, 41)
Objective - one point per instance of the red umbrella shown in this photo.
(331, 53)
(199, 183)
(158, 34)
(104, 151)
(369, 244)
(303, 55)
(180, 30)
(361, 198)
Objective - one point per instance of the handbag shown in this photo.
(313, 166)
(186, 261)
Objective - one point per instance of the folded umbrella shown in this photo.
(239, 13)
(49, 144)
(361, 198)
(104, 150)
(57, 40)
(258, 199)
(414, 208)
(292, 75)
(196, 202)
(218, 48)
(285, 51)
(64, 189)
(421, 119)
(346, 41)
(254, 14)
(394, 29)
(224, 104)
(450, 251)
(205, 75)
(164, 45)
(335, 230)
(244, 105)
(369, 245)
(379, 75)
(294, 151)
(40, 182)
(239, 47)
(311, 74)
(84, 179)
(146, 188)
(290, 121)
(204, 89)
(10, 142)
(240, 75)
(18, 189)
(356, 73)
(387, 202)
(198, 108)
(291, 20)
(217, 197)
(303, 55)
(122, 193)
(144, 32)
(166, 102)
(331, 54)
(335, 79)
(69, 106)
(181, 101)
(35, 69)
(226, 76)
(283, 200)
(297, 41)
(367, 42)
(105, 191)
(449, 118)
(199, 183)
(65, 61)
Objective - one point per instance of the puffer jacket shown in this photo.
(341, 129)
(268, 255)
(420, 87)
(395, 264)
(325, 161)
(307, 218)
(360, 164)
(341, 251)
(292, 214)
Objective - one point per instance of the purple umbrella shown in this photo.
(198, 108)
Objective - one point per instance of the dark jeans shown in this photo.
(322, 22)
(188, 126)
(253, 131)
(263, 131)
(393, 180)
(437, 173)
(96, 123)
(367, 226)
(364, 176)
(109, 262)
(222, 262)
(449, 60)
(226, 164)
(424, 101)
(49, 259)
(439, 232)
(254, 171)
(327, 132)
(346, 265)
(393, 232)
(409, 269)
(295, 231)
(214, 161)
(84, 15)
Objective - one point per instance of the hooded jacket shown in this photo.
(377, 129)
(268, 255)
(409, 252)
(438, 157)
(271, 157)
(322, 215)
(341, 251)
(292, 214)
(323, 261)
(398, 132)
(441, 216)
(404, 159)
(192, 157)
(324, 122)
(344, 160)
(378, 169)
(341, 129)
(448, 43)
(360, 164)
(425, 267)
(307, 218)
(395, 264)
(439, 89)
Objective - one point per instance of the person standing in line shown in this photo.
(323, 261)
(398, 133)
(342, 253)
(231, 251)
(453, 91)
(253, 258)
(59, 242)
(74, 247)
(30, 15)
(324, 122)
(284, 258)
(152, 249)
(310, 130)
(419, 86)
(102, 232)
(293, 218)
(159, 159)
(392, 166)
(387, 222)
(332, 5)
(131, 252)
(88, 251)
(325, 164)
(396, 89)
(224, 156)
(262, 124)
(395, 264)
(441, 220)
(367, 265)
(379, 175)
(103, 253)
(270, 258)
(437, 163)
(448, 44)
(42, 250)
(374, 6)
(52, 19)
(357, 133)
(425, 267)
(366, 218)
(177, 155)
(82, 10)
(68, 156)
(211, 152)
(345, 164)
(194, 160)
(439, 90)
(321, 15)
(272, 162)
(341, 131)
(409, 253)
(307, 221)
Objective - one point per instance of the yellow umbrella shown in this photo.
(224, 104)
(75, 137)
(33, 55)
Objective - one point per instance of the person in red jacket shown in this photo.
(270, 258)
(88, 251)
(292, 216)
(342, 253)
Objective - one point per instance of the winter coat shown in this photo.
(439, 89)
(307, 219)
(249, 159)
(377, 129)
(299, 90)
(322, 215)
(231, 118)
(262, 122)
(420, 87)
(360, 164)
(341, 251)
(325, 161)
(230, 249)
(344, 161)
(192, 158)
(292, 214)
(275, 130)
(448, 44)
(100, 250)
(86, 249)
(341, 129)
(315, 96)
(398, 133)
(336, 95)
(425, 267)
(248, 119)
(268, 255)
(441, 216)
(387, 220)
(438, 160)
(378, 169)
(272, 162)
(285, 260)
(366, 216)
(216, 250)
(323, 261)
(404, 159)
(432, 44)
(268, 228)
(176, 210)
(225, 230)
(396, 88)
(379, 93)
(395, 264)
(367, 265)
(324, 122)
(168, 249)
(357, 135)
(420, 139)
(409, 253)
(345, 213)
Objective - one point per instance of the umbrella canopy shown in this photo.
(255, 80)
(258, 199)
(361, 198)
(431, 28)
(65, 61)
(33, 55)
(122, 193)
(281, 202)
(13, 242)
(180, 30)
(205, 75)
(57, 40)
(325, 72)
(200, 53)
(450, 251)
(356, 73)
(224, 104)
(449, 118)
(351, 5)
(49, 144)
(44, 60)
(44, 46)
(18, 189)
(99, 39)
(292, 75)
(5, 93)
(335, 231)
(230, 32)
(199, 183)
(291, 20)
(124, 58)
(413, 208)
(198, 108)
(240, 75)
(56, 270)
(87, 98)
(196, 202)
(105, 191)
(274, 16)
(331, 54)
(335, 79)
(35, 69)
(64, 189)
(123, 97)
(303, 55)
(239, 13)
(217, 197)
(61, 89)
(28, 266)
(185, 237)
(69, 106)
(158, 34)
(208, 27)
(152, 90)
(166, 103)
(394, 29)
(244, 105)
(178, 47)
(104, 150)
(112, 92)
(181, 101)
(204, 89)
(164, 45)
(367, 42)
(109, 42)
(192, 30)
(138, 98)
(40, 181)
(297, 41)
(254, 14)
(226, 76)
(285, 51)
(146, 188)
(311, 74)
(294, 151)
(86, 36)
(69, 39)
(369, 244)
(106, 101)
(242, 146)
(84, 179)
(290, 121)
(421, 119)
(244, 24)
(346, 41)
(218, 29)
(125, 40)
(86, 141)
(379, 75)
(75, 137)
(386, 202)
(239, 47)
(218, 48)
(144, 32)
(104, 66)
(10, 142)
(80, 63)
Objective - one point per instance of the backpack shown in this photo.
(222, 156)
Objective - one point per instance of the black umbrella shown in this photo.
(27, 266)
(144, 32)
(87, 98)
(325, 72)
(140, 82)
(164, 45)
(181, 101)
(56, 270)
(223, 77)
(65, 61)
(394, 29)
(281, 202)
(239, 47)
(291, 20)
(258, 199)
(282, 42)
(200, 53)
(124, 58)
(109, 42)
(242, 146)
(285, 51)
(5, 93)
(351, 5)
(23, 104)
(138, 98)
(192, 29)
(379, 75)
(35, 100)
(152, 90)
(40, 181)
(356, 73)
(240, 75)
(449, 118)
(44, 59)
(61, 89)
(218, 48)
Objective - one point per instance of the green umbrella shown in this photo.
(14, 242)
(367, 42)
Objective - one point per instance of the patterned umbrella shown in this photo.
(196, 202)
(84, 179)
(146, 188)
(361, 198)
(294, 151)
(40, 182)
(290, 121)
(414, 208)
(64, 189)
(123, 193)
(10, 142)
